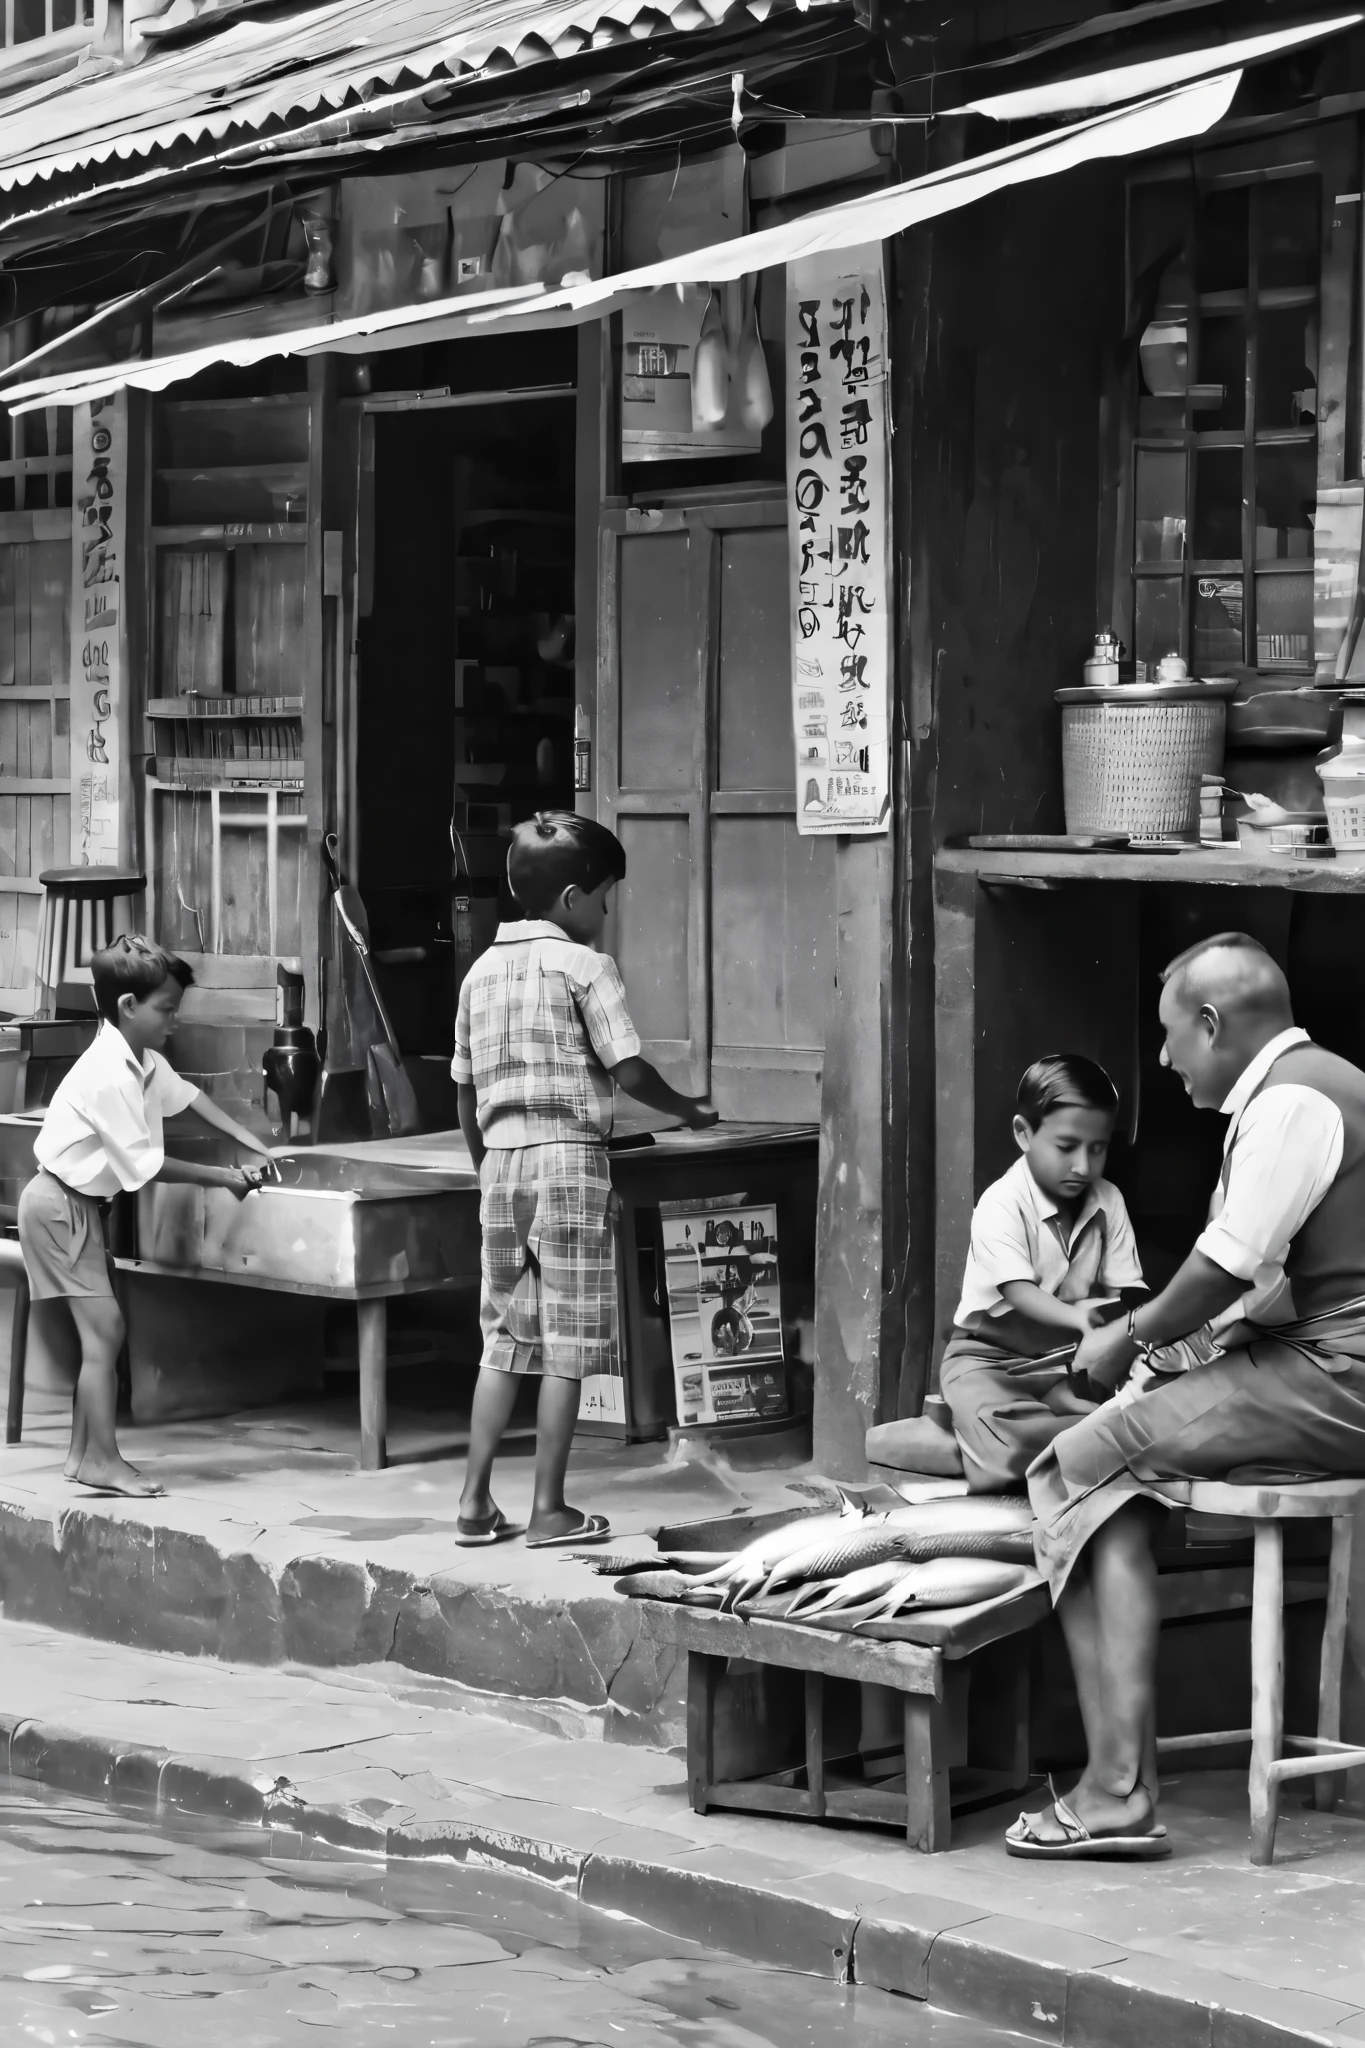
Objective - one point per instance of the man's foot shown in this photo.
(566, 1525)
(1091, 1823)
(116, 1475)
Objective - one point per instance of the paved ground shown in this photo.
(1201, 1949)
(271, 1546)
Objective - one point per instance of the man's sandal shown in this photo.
(1078, 1844)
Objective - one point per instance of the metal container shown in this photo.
(338, 1222)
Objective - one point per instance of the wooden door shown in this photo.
(35, 732)
(724, 931)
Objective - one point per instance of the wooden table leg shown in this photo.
(703, 1676)
(1267, 1686)
(928, 1816)
(372, 1329)
(18, 1359)
(815, 1743)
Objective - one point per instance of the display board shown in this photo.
(724, 1309)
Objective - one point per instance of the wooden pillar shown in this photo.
(850, 1236)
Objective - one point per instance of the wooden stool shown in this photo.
(77, 919)
(1266, 1506)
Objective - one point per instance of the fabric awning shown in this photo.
(1152, 124)
(1155, 74)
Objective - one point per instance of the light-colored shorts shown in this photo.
(548, 1303)
(62, 1236)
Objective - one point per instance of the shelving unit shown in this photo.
(226, 824)
(1200, 866)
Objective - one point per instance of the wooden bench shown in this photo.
(951, 1679)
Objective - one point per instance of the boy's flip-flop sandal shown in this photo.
(592, 1529)
(495, 1528)
(1078, 1844)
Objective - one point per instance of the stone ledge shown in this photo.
(1044, 1982)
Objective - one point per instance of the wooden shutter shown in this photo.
(724, 931)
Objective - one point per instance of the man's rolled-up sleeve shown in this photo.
(1285, 1156)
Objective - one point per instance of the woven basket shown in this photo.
(1132, 757)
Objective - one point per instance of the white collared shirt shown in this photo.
(103, 1128)
(1281, 1154)
(1017, 1234)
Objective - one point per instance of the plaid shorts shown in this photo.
(548, 1303)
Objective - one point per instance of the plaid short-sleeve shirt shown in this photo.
(540, 1019)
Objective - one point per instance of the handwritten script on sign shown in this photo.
(839, 532)
(99, 535)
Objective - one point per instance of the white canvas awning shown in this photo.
(1154, 123)
(1156, 74)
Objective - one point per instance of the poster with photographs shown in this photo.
(724, 1309)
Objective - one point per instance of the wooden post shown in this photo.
(955, 908)
(703, 1676)
(1267, 1686)
(850, 1252)
(372, 1329)
(18, 1359)
(928, 1815)
(815, 1743)
(1327, 1788)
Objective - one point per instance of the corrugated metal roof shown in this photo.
(256, 72)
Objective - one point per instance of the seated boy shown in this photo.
(1049, 1239)
(103, 1133)
(542, 1040)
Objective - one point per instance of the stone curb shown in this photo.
(1048, 1983)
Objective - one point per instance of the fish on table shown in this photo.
(985, 1525)
(948, 1582)
(745, 1571)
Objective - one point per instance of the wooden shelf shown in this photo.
(250, 534)
(237, 472)
(1204, 866)
(232, 707)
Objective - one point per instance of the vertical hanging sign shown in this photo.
(99, 540)
(839, 540)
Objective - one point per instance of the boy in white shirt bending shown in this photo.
(103, 1133)
(1052, 1247)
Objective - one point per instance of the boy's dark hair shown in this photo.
(556, 848)
(133, 966)
(1065, 1080)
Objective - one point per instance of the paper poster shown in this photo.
(839, 524)
(99, 541)
(658, 347)
(724, 1309)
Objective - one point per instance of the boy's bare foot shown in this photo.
(116, 1475)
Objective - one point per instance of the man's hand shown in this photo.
(1104, 1355)
(699, 1114)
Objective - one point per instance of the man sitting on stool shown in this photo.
(1279, 1274)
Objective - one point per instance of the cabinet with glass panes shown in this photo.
(1221, 459)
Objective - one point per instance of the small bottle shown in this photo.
(1102, 669)
(582, 749)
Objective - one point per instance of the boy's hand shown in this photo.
(1092, 1315)
(247, 1178)
(699, 1114)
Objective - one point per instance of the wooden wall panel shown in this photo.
(653, 925)
(772, 933)
(658, 671)
(194, 601)
(753, 719)
(269, 620)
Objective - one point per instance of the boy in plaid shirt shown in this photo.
(542, 1040)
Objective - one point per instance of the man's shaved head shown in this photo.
(1234, 975)
(1221, 1001)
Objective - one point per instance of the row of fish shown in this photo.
(856, 1565)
